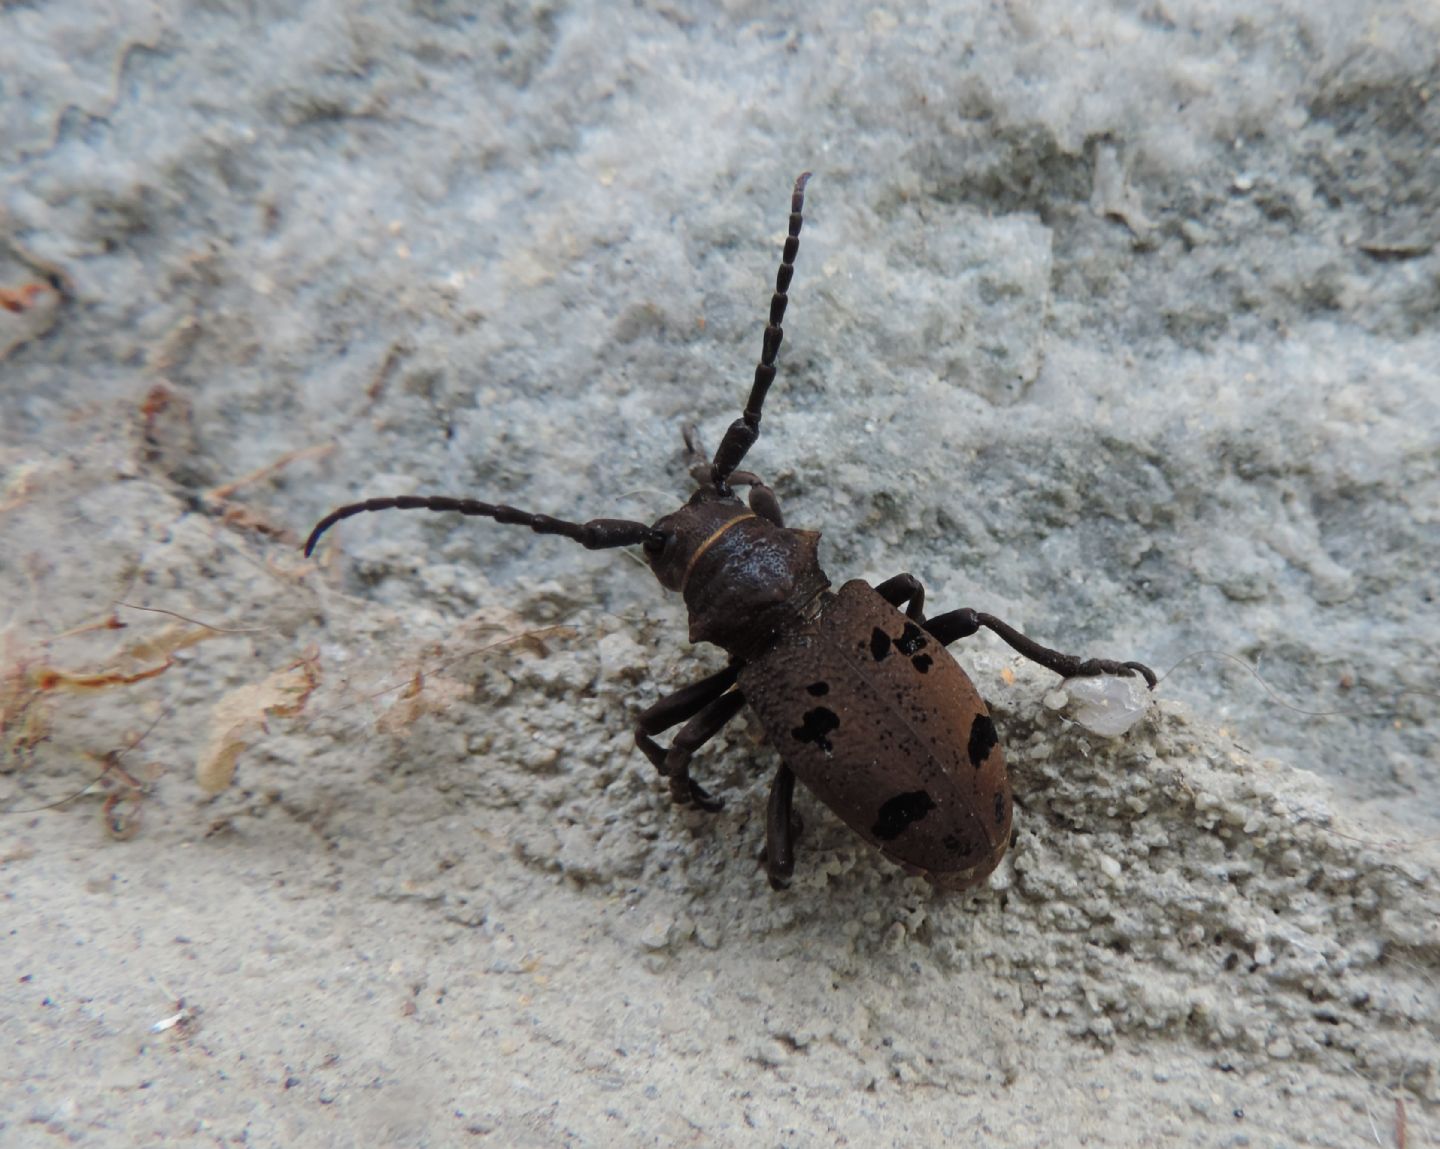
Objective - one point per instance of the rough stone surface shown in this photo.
(1116, 322)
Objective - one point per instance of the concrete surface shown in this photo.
(1116, 321)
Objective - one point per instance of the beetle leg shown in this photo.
(963, 623)
(782, 827)
(763, 501)
(956, 624)
(697, 461)
(676, 708)
(686, 702)
(905, 588)
(693, 735)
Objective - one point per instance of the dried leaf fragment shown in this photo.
(28, 311)
(239, 717)
(425, 694)
(19, 300)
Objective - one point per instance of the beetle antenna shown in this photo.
(745, 430)
(596, 534)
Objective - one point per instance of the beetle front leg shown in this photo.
(957, 624)
(708, 707)
(693, 735)
(762, 499)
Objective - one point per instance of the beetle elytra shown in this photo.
(854, 688)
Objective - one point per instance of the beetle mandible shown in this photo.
(855, 689)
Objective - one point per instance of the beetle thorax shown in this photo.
(744, 579)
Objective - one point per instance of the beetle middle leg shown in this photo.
(903, 588)
(707, 705)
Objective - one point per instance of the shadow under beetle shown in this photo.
(863, 702)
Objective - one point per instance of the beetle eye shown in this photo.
(655, 543)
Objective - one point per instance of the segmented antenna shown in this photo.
(745, 430)
(597, 534)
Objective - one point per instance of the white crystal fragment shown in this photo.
(1107, 704)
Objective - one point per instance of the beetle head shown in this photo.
(684, 535)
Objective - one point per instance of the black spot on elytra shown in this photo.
(999, 809)
(879, 644)
(818, 689)
(922, 662)
(899, 812)
(910, 640)
(816, 727)
(957, 845)
(982, 740)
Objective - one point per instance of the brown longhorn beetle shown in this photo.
(864, 703)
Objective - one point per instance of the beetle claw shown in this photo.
(702, 798)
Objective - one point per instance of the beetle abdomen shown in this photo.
(880, 722)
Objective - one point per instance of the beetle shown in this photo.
(855, 688)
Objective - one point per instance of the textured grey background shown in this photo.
(1116, 321)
